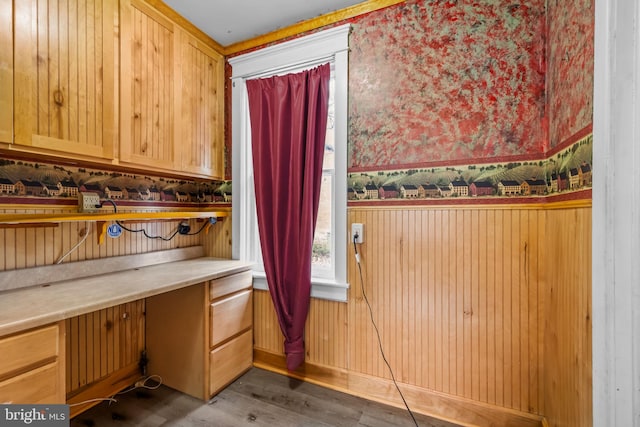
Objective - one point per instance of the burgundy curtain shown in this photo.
(288, 127)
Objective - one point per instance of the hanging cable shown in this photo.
(143, 231)
(115, 207)
(199, 231)
(87, 231)
(375, 327)
(142, 383)
(148, 236)
(98, 399)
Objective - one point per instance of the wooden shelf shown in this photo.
(118, 216)
(102, 219)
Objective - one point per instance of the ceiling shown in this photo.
(232, 21)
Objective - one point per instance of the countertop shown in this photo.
(34, 306)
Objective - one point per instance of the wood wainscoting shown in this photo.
(568, 327)
(217, 240)
(103, 349)
(34, 245)
(465, 304)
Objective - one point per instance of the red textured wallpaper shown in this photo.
(570, 71)
(447, 80)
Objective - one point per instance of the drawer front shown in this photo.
(28, 348)
(231, 316)
(229, 361)
(230, 284)
(37, 386)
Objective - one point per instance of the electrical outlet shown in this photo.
(184, 228)
(357, 232)
(88, 202)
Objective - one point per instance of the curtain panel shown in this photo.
(288, 127)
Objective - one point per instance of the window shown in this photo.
(329, 264)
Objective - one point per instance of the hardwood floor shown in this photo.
(258, 398)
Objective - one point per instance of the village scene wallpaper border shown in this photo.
(568, 171)
(35, 182)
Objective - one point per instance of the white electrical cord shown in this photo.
(375, 327)
(142, 383)
(86, 234)
(99, 399)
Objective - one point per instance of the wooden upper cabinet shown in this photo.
(149, 97)
(64, 69)
(172, 97)
(201, 141)
(6, 71)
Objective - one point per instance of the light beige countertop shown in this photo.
(25, 308)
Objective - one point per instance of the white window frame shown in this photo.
(616, 215)
(330, 45)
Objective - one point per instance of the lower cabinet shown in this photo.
(229, 359)
(32, 366)
(200, 338)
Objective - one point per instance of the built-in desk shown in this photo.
(30, 313)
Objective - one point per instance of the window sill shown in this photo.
(320, 288)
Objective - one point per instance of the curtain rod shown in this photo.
(294, 67)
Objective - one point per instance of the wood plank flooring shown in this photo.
(258, 398)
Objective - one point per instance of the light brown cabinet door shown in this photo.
(32, 366)
(37, 386)
(64, 71)
(229, 361)
(202, 119)
(6, 71)
(230, 316)
(149, 97)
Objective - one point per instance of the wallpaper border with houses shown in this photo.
(37, 182)
(565, 174)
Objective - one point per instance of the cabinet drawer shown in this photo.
(230, 316)
(229, 361)
(230, 284)
(28, 348)
(36, 386)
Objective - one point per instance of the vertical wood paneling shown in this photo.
(91, 58)
(266, 331)
(39, 246)
(325, 333)
(202, 112)
(217, 242)
(148, 68)
(72, 72)
(567, 355)
(475, 265)
(457, 295)
(83, 87)
(102, 342)
(487, 304)
(6, 71)
(66, 69)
